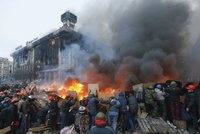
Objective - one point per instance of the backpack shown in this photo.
(139, 95)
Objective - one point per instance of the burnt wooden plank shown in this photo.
(40, 128)
(155, 125)
(164, 124)
(151, 125)
(148, 125)
(171, 129)
(143, 126)
(143, 129)
(5, 130)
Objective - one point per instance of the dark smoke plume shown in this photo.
(193, 61)
(148, 37)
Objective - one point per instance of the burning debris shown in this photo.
(77, 89)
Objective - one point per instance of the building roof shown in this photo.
(35, 42)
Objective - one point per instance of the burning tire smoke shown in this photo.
(148, 39)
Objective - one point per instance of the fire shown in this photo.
(73, 86)
(77, 89)
(108, 91)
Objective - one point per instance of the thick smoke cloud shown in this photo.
(193, 63)
(148, 38)
(76, 58)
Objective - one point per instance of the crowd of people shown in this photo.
(20, 109)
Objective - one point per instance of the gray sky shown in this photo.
(24, 20)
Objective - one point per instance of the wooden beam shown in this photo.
(5, 130)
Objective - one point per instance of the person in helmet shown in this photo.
(13, 115)
(174, 100)
(53, 112)
(100, 125)
(64, 110)
(113, 112)
(132, 112)
(123, 113)
(32, 110)
(22, 110)
(191, 106)
(93, 105)
(84, 102)
(140, 96)
(151, 101)
(82, 121)
(161, 101)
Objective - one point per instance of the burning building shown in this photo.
(140, 46)
(42, 58)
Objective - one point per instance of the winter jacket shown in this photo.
(22, 106)
(132, 103)
(150, 96)
(53, 107)
(66, 104)
(101, 130)
(114, 105)
(174, 93)
(82, 123)
(140, 94)
(190, 101)
(123, 102)
(160, 95)
(198, 100)
(12, 113)
(5, 116)
(92, 104)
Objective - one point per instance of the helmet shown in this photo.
(14, 100)
(173, 83)
(7, 99)
(159, 86)
(51, 98)
(100, 116)
(150, 86)
(68, 95)
(82, 109)
(91, 95)
(122, 94)
(190, 87)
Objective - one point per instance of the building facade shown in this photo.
(5, 68)
(43, 58)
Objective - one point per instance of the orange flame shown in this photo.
(77, 89)
(73, 85)
(108, 91)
